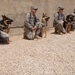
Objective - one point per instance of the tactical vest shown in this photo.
(35, 20)
(60, 16)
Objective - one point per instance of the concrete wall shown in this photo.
(16, 9)
(68, 5)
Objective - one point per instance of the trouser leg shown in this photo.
(56, 28)
(38, 30)
(61, 28)
(4, 35)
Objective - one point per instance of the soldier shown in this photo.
(32, 24)
(59, 19)
(4, 37)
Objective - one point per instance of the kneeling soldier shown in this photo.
(4, 37)
(32, 24)
(59, 19)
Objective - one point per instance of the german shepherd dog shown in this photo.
(6, 22)
(44, 20)
(67, 23)
(4, 25)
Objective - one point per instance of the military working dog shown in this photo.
(67, 23)
(5, 23)
(4, 27)
(44, 20)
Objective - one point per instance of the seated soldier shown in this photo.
(32, 24)
(4, 37)
(59, 19)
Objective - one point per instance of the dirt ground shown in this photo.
(54, 55)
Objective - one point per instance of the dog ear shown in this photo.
(43, 15)
(46, 15)
(2, 15)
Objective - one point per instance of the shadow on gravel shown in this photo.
(56, 33)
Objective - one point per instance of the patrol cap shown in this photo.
(34, 7)
(60, 8)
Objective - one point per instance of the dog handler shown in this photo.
(59, 19)
(3, 35)
(32, 24)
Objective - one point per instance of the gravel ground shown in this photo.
(54, 55)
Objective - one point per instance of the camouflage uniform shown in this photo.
(30, 22)
(58, 22)
(3, 34)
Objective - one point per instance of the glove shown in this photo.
(60, 22)
(33, 29)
